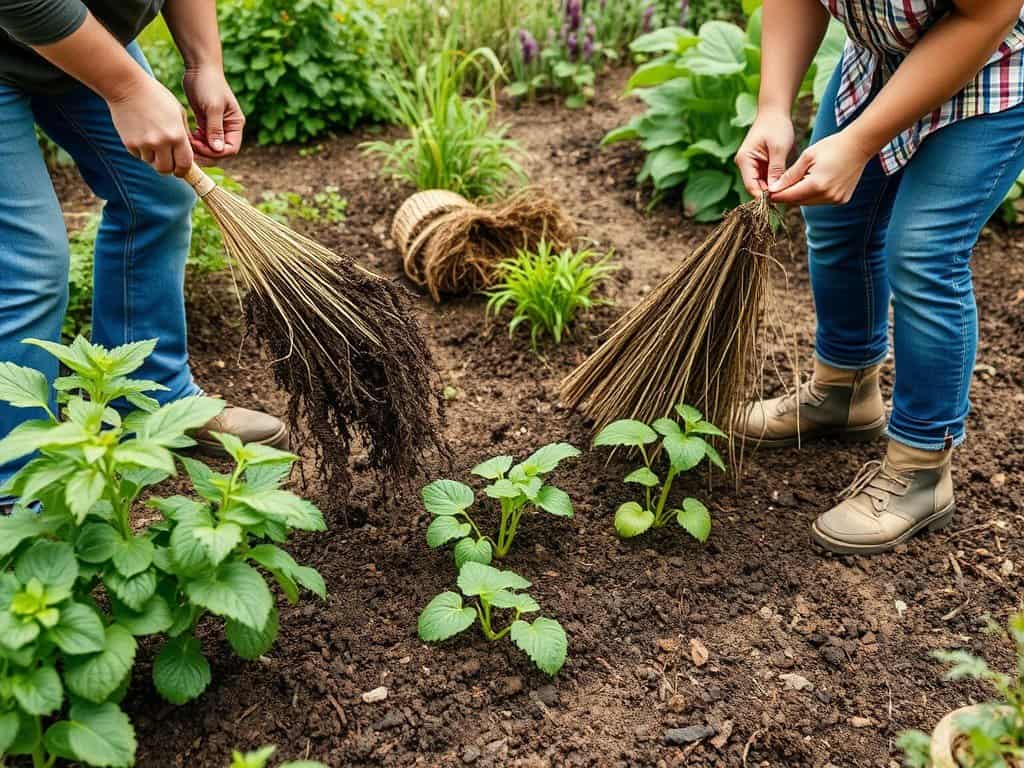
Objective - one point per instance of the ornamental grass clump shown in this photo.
(343, 341)
(546, 288)
(693, 339)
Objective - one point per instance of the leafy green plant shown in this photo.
(300, 69)
(1012, 208)
(261, 757)
(685, 448)
(518, 489)
(452, 143)
(324, 207)
(701, 95)
(995, 730)
(543, 639)
(65, 653)
(546, 289)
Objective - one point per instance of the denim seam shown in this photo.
(129, 245)
(865, 271)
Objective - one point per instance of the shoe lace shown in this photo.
(879, 481)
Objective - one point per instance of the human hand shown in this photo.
(764, 153)
(152, 125)
(219, 119)
(826, 173)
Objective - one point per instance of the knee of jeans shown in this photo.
(829, 237)
(918, 263)
(36, 276)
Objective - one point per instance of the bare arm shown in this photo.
(148, 118)
(193, 24)
(828, 172)
(791, 32)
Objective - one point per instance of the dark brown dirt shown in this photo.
(757, 596)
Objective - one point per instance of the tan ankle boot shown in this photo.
(834, 403)
(888, 502)
(247, 425)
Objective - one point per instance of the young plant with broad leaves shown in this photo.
(684, 447)
(489, 590)
(261, 759)
(78, 584)
(518, 489)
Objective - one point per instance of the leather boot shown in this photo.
(888, 502)
(834, 403)
(247, 425)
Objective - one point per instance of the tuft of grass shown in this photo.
(546, 288)
(452, 143)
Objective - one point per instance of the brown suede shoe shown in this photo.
(247, 425)
(834, 403)
(889, 501)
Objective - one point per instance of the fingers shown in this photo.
(750, 168)
(793, 174)
(213, 125)
(778, 156)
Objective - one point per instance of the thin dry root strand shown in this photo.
(456, 251)
(693, 339)
(344, 343)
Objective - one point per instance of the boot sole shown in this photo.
(215, 450)
(935, 522)
(864, 434)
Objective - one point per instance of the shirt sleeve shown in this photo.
(41, 22)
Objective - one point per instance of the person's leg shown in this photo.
(851, 298)
(34, 254)
(143, 238)
(950, 189)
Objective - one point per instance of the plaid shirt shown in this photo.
(880, 33)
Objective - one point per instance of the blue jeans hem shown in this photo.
(846, 366)
(924, 443)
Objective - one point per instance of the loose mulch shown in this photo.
(811, 660)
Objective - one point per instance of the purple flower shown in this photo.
(574, 14)
(573, 45)
(648, 18)
(529, 46)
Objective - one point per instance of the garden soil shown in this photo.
(754, 650)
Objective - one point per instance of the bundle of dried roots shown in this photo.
(693, 339)
(344, 343)
(451, 246)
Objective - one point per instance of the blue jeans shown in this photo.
(143, 240)
(910, 235)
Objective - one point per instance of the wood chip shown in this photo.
(698, 652)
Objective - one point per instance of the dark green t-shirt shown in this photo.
(24, 23)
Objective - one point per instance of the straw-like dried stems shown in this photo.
(693, 339)
(345, 345)
(457, 251)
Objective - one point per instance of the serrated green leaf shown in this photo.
(79, 630)
(706, 428)
(544, 641)
(688, 413)
(146, 454)
(547, 459)
(443, 529)
(23, 387)
(134, 591)
(504, 489)
(554, 501)
(713, 456)
(284, 507)
(133, 555)
(444, 617)
(96, 676)
(695, 518)
(447, 497)
(666, 427)
(31, 436)
(249, 643)
(631, 520)
(277, 560)
(84, 489)
(494, 468)
(627, 432)
(97, 543)
(234, 591)
(484, 580)
(19, 526)
(9, 724)
(180, 671)
(154, 618)
(17, 632)
(38, 692)
(98, 735)
(52, 562)
(476, 551)
(684, 453)
(219, 540)
(642, 476)
(170, 422)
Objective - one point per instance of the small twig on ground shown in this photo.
(749, 744)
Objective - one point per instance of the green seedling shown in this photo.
(488, 589)
(518, 489)
(261, 759)
(685, 448)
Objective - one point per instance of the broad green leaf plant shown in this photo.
(994, 732)
(685, 447)
(487, 590)
(261, 759)
(518, 489)
(701, 94)
(78, 584)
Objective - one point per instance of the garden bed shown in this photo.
(811, 659)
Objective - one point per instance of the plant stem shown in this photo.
(658, 513)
